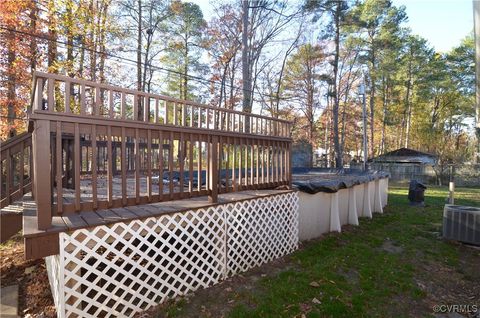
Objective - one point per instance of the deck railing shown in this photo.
(97, 146)
(15, 168)
(75, 96)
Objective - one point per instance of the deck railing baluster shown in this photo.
(82, 99)
(51, 94)
(9, 176)
(227, 165)
(190, 165)
(208, 118)
(93, 137)
(165, 121)
(149, 165)
(110, 167)
(146, 108)
(123, 159)
(213, 169)
(21, 167)
(59, 167)
(110, 104)
(170, 165)
(252, 177)
(123, 105)
(199, 164)
(38, 102)
(240, 164)
(98, 102)
(220, 163)
(137, 166)
(77, 160)
(160, 165)
(181, 162)
(67, 97)
(234, 160)
(135, 106)
(257, 153)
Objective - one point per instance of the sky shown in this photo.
(444, 23)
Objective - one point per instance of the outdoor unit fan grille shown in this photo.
(461, 223)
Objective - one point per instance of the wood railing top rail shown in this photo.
(263, 124)
(72, 118)
(15, 140)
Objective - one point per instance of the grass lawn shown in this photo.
(394, 265)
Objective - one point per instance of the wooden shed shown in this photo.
(405, 164)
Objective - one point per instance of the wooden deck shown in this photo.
(116, 144)
(98, 154)
(41, 243)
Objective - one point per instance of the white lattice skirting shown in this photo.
(125, 268)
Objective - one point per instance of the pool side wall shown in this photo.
(324, 212)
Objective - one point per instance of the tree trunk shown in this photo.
(93, 48)
(246, 74)
(139, 61)
(372, 104)
(81, 61)
(407, 104)
(223, 98)
(345, 103)
(150, 30)
(233, 69)
(408, 124)
(69, 23)
(33, 40)
(336, 141)
(11, 84)
(385, 103)
(325, 141)
(102, 42)
(139, 47)
(185, 71)
(52, 35)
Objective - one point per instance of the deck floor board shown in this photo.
(125, 214)
(109, 216)
(74, 221)
(140, 211)
(92, 218)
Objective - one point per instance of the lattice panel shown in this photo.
(125, 268)
(260, 231)
(55, 273)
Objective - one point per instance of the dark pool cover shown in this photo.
(331, 180)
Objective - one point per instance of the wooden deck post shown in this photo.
(213, 170)
(41, 173)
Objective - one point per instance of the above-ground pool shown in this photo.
(330, 198)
